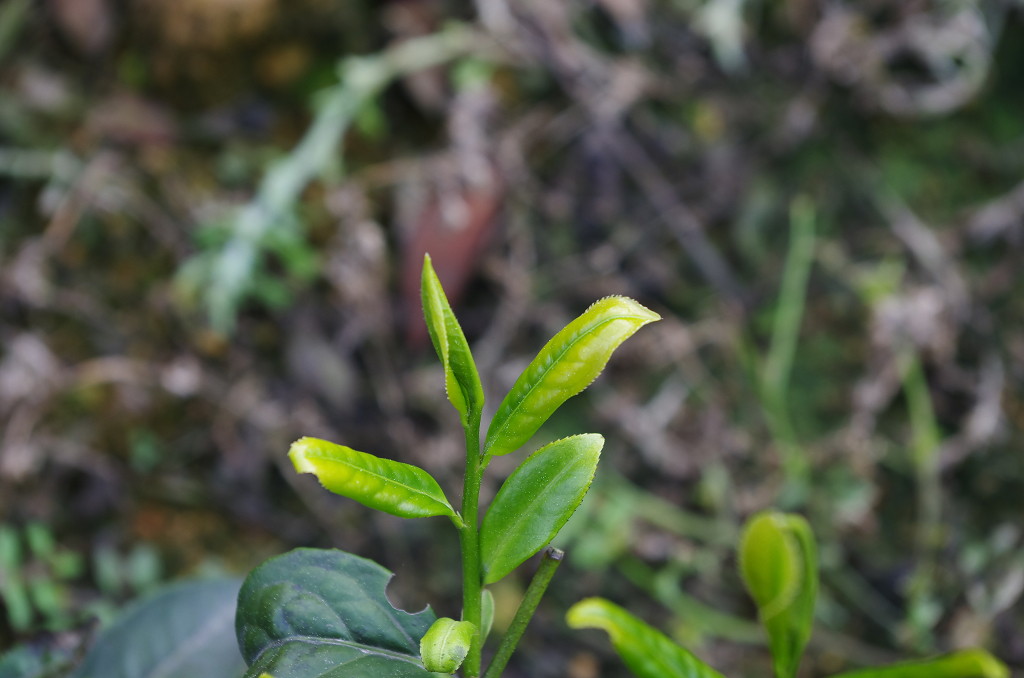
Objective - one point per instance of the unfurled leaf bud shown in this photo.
(446, 644)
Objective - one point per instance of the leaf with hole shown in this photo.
(461, 380)
(779, 564)
(646, 651)
(963, 664)
(314, 612)
(535, 502)
(565, 366)
(400, 489)
(182, 631)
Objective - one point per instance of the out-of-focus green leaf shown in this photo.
(393, 487)
(183, 631)
(779, 565)
(461, 380)
(313, 612)
(964, 664)
(646, 651)
(565, 366)
(535, 502)
(34, 662)
(446, 644)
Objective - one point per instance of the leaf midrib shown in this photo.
(544, 373)
(386, 479)
(173, 661)
(313, 640)
(523, 514)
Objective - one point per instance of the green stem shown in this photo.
(785, 337)
(469, 538)
(548, 564)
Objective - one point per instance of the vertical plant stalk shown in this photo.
(925, 443)
(785, 334)
(548, 564)
(469, 539)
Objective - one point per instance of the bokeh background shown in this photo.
(212, 219)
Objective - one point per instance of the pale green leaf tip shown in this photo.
(300, 460)
(988, 666)
(635, 308)
(591, 613)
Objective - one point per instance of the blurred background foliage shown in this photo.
(212, 217)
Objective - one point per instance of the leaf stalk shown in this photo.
(548, 564)
(469, 539)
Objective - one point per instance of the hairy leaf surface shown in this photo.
(461, 380)
(183, 631)
(313, 612)
(646, 651)
(779, 565)
(393, 487)
(535, 502)
(964, 664)
(565, 366)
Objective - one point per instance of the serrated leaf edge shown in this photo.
(489, 442)
(307, 468)
(533, 502)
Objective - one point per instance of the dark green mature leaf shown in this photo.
(779, 565)
(646, 651)
(183, 631)
(535, 502)
(964, 664)
(461, 380)
(323, 613)
(393, 487)
(565, 366)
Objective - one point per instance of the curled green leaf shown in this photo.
(446, 644)
(461, 380)
(964, 664)
(565, 366)
(535, 502)
(779, 565)
(393, 487)
(646, 651)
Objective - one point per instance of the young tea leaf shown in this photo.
(461, 380)
(963, 664)
(314, 612)
(535, 502)
(565, 366)
(446, 645)
(646, 651)
(778, 563)
(393, 487)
